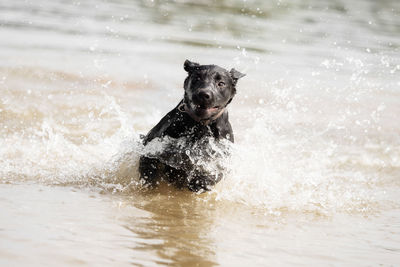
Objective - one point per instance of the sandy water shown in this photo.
(314, 173)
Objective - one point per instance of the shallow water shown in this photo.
(314, 175)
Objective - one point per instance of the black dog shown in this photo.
(187, 129)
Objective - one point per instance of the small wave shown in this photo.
(313, 167)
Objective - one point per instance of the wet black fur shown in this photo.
(207, 86)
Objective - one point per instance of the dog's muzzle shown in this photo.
(183, 107)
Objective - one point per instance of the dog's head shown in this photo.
(208, 90)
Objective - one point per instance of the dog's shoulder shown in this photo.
(222, 128)
(174, 125)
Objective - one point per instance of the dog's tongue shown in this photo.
(211, 109)
(207, 109)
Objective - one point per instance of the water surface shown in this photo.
(314, 176)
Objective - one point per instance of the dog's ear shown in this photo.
(236, 75)
(189, 65)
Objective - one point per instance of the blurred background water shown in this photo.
(315, 171)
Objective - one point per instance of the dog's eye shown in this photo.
(220, 84)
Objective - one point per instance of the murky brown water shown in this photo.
(314, 173)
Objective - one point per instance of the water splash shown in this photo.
(283, 161)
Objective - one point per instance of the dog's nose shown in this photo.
(204, 96)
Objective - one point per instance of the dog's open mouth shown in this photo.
(202, 109)
(202, 113)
